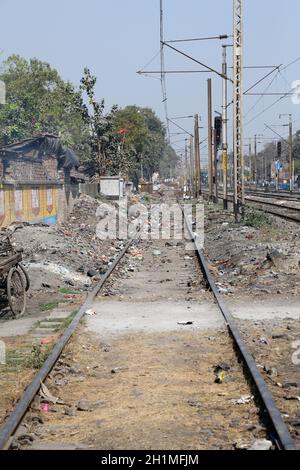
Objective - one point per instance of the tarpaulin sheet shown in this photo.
(40, 146)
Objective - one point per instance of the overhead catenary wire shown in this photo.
(197, 61)
(179, 127)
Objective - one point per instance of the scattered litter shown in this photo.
(184, 323)
(243, 400)
(271, 371)
(45, 407)
(90, 312)
(136, 254)
(219, 371)
(47, 396)
(263, 340)
(156, 252)
(261, 444)
(223, 366)
(220, 375)
(47, 340)
(222, 290)
(241, 445)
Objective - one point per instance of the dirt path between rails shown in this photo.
(133, 378)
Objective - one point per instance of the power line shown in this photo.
(197, 61)
(220, 37)
(179, 127)
(265, 90)
(262, 79)
(145, 72)
(151, 60)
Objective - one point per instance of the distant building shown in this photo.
(35, 174)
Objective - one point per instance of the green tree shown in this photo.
(39, 101)
(296, 152)
(107, 156)
(145, 133)
(169, 162)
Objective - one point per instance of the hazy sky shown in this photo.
(115, 38)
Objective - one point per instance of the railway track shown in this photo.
(148, 288)
(280, 195)
(282, 210)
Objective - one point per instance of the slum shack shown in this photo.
(35, 175)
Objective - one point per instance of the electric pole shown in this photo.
(186, 168)
(216, 191)
(192, 184)
(291, 158)
(197, 155)
(291, 153)
(250, 163)
(209, 127)
(238, 145)
(255, 161)
(224, 126)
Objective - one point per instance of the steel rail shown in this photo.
(290, 217)
(273, 195)
(14, 419)
(286, 441)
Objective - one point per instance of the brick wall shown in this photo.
(50, 165)
(25, 170)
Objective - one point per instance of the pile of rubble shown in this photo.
(253, 260)
(70, 254)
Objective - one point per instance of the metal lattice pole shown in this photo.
(238, 144)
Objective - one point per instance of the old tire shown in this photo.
(16, 293)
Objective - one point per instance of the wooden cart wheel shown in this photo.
(16, 292)
(24, 271)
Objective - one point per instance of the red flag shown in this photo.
(122, 131)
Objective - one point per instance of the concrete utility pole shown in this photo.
(255, 161)
(186, 168)
(250, 163)
(209, 130)
(291, 156)
(216, 189)
(224, 128)
(238, 145)
(291, 152)
(197, 156)
(192, 167)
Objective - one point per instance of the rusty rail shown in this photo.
(14, 419)
(285, 440)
